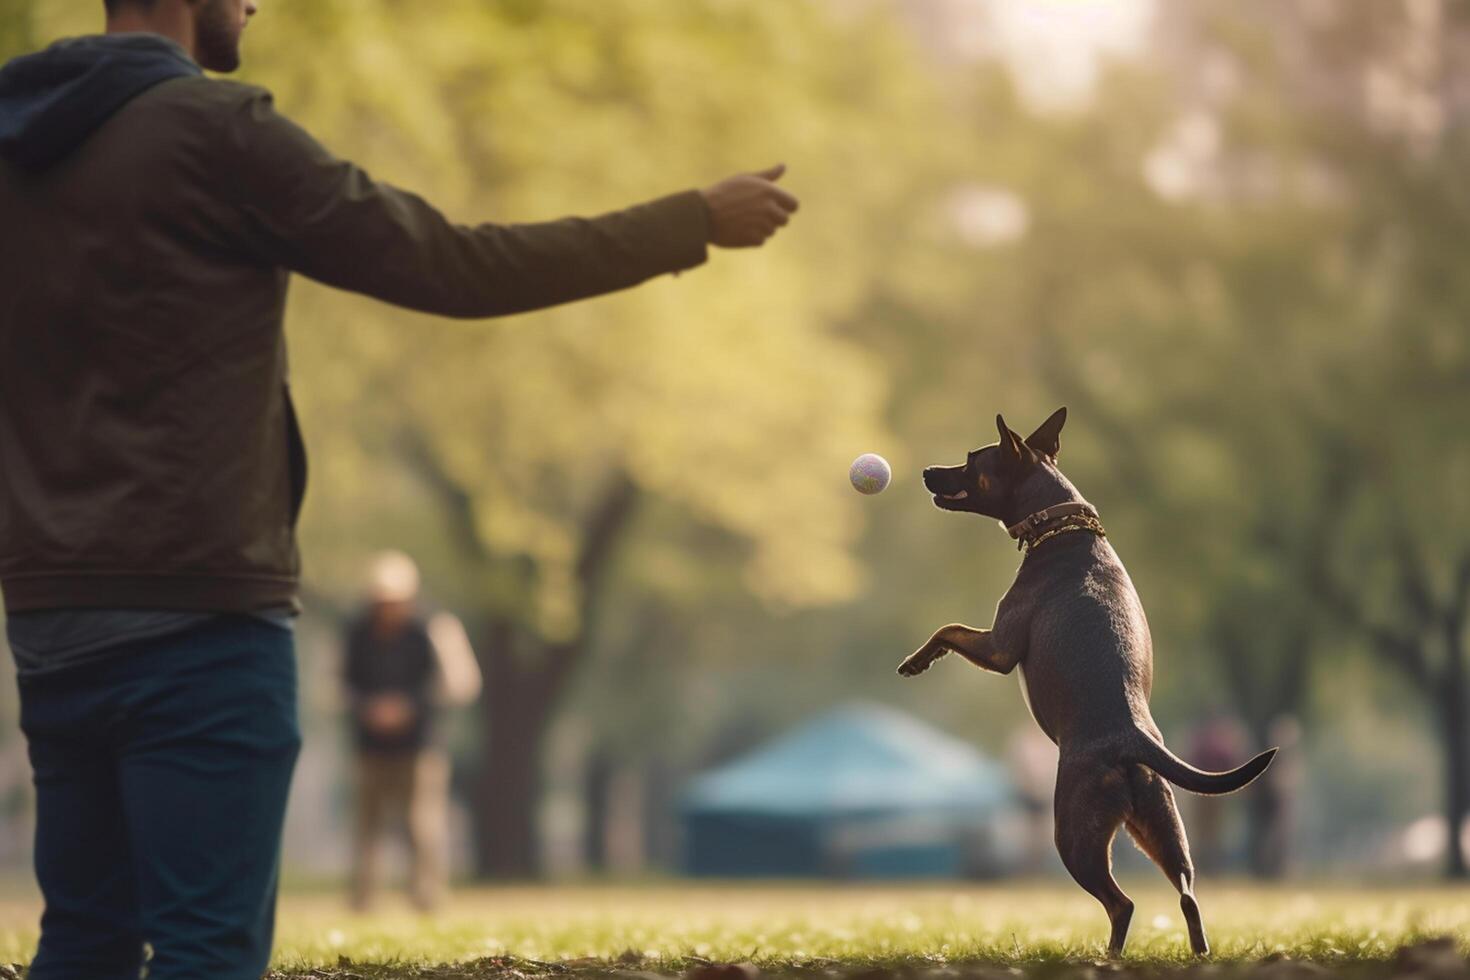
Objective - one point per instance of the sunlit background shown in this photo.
(1230, 235)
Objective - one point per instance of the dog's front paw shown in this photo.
(919, 661)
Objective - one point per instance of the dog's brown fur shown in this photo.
(1074, 625)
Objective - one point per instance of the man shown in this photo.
(151, 470)
(399, 666)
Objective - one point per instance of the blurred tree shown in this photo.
(1363, 109)
(1253, 294)
(1236, 269)
(731, 393)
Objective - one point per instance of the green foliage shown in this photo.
(17, 30)
(731, 392)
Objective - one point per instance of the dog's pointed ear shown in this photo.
(1012, 449)
(1046, 440)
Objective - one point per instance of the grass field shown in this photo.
(948, 930)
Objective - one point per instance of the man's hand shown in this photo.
(746, 209)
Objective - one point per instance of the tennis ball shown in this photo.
(870, 473)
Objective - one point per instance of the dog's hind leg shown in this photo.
(1090, 804)
(1155, 826)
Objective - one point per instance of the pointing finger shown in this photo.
(772, 173)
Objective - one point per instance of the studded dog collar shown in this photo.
(1074, 516)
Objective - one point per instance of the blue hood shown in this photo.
(51, 101)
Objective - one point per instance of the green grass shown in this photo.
(668, 927)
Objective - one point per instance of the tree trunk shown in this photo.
(1266, 671)
(1263, 815)
(597, 791)
(1456, 734)
(520, 701)
(520, 698)
(508, 790)
(522, 689)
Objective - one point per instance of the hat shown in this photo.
(393, 577)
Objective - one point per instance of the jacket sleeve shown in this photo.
(305, 210)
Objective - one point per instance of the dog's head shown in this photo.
(996, 481)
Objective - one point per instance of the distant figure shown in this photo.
(399, 667)
(1216, 742)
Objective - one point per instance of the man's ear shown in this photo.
(1046, 439)
(1012, 449)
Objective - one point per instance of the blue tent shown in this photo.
(864, 791)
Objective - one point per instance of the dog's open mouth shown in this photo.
(953, 496)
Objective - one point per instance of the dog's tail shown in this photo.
(1153, 754)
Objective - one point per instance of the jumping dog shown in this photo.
(1074, 625)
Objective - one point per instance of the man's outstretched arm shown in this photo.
(304, 209)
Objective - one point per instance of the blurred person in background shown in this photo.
(401, 666)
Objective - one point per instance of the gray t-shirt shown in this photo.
(56, 639)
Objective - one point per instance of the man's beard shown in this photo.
(217, 36)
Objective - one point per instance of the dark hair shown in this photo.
(114, 5)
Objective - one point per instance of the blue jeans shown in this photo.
(161, 780)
